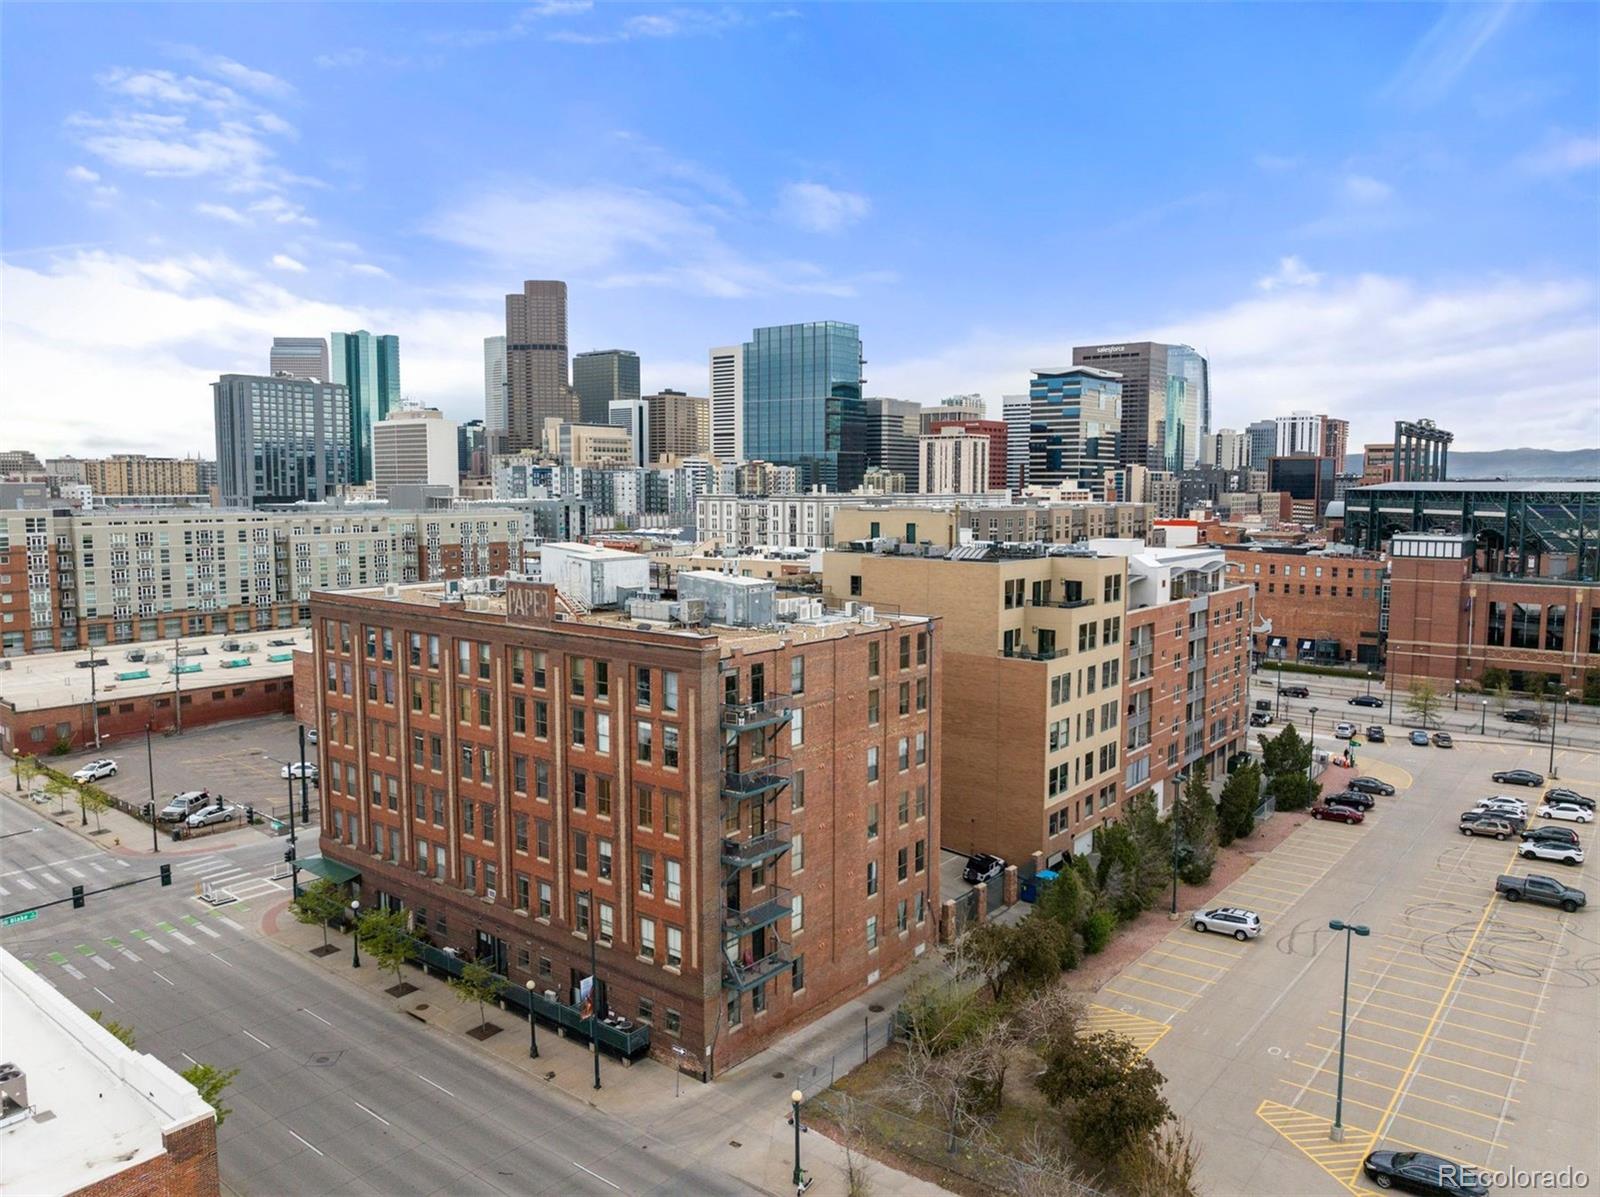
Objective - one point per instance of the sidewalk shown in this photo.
(737, 1123)
(122, 834)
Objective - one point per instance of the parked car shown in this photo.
(1365, 700)
(133, 654)
(311, 735)
(1337, 814)
(297, 770)
(981, 867)
(1517, 821)
(1486, 823)
(1375, 733)
(95, 770)
(1230, 920)
(1260, 719)
(1371, 785)
(1524, 715)
(1353, 798)
(1536, 887)
(1551, 833)
(1263, 704)
(217, 812)
(1562, 794)
(1419, 738)
(1503, 802)
(1569, 812)
(1344, 730)
(1295, 692)
(1442, 739)
(1567, 854)
(1417, 1172)
(183, 805)
(1518, 777)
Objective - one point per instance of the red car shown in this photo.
(1336, 814)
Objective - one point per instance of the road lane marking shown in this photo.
(303, 1141)
(103, 963)
(158, 973)
(25, 883)
(72, 972)
(263, 1043)
(596, 1175)
(435, 1084)
(214, 956)
(229, 922)
(104, 994)
(50, 877)
(374, 1113)
(181, 937)
(316, 1016)
(76, 873)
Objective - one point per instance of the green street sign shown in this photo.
(26, 916)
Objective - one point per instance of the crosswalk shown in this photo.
(109, 953)
(220, 872)
(57, 874)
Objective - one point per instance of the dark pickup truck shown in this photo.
(1538, 888)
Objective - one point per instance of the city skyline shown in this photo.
(185, 190)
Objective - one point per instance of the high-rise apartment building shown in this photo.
(1017, 412)
(1074, 417)
(300, 357)
(1165, 400)
(536, 363)
(634, 415)
(727, 404)
(954, 461)
(368, 367)
(1299, 435)
(999, 445)
(20, 461)
(893, 429)
(1230, 450)
(1377, 463)
(1263, 442)
(1421, 451)
(413, 446)
(738, 821)
(680, 425)
(281, 440)
(494, 386)
(472, 450)
(1335, 441)
(954, 407)
(803, 404)
(602, 377)
(136, 474)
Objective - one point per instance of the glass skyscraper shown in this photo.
(1074, 418)
(603, 377)
(802, 402)
(369, 367)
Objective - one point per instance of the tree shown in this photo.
(27, 768)
(1196, 814)
(942, 1015)
(1166, 1166)
(1286, 752)
(1502, 694)
(1423, 701)
(1064, 901)
(1022, 956)
(1236, 814)
(1110, 1091)
(955, 1080)
(388, 939)
(123, 1032)
(211, 1082)
(94, 801)
(1591, 687)
(318, 905)
(478, 983)
(852, 1139)
(57, 789)
(1152, 836)
(1493, 679)
(1117, 874)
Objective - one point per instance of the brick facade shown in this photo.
(187, 1168)
(1323, 607)
(40, 729)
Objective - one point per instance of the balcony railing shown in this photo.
(1028, 654)
(758, 780)
(741, 853)
(745, 973)
(777, 905)
(746, 716)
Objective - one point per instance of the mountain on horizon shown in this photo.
(1513, 463)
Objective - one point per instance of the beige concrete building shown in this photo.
(953, 462)
(413, 446)
(680, 426)
(588, 444)
(976, 517)
(1033, 666)
(136, 474)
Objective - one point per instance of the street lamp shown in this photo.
(1457, 696)
(795, 1099)
(1313, 763)
(1278, 712)
(1336, 1131)
(533, 1025)
(355, 933)
(1369, 682)
(1552, 769)
(1483, 723)
(150, 764)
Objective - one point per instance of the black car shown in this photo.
(1562, 794)
(1548, 834)
(1518, 777)
(1295, 692)
(1260, 719)
(1352, 798)
(1524, 716)
(1371, 785)
(1416, 1172)
(1365, 700)
(1375, 733)
(1518, 822)
(982, 867)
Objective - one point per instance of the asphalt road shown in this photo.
(334, 1093)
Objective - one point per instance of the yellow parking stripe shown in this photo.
(1408, 1014)
(1143, 1032)
(1137, 997)
(1310, 1139)
(1350, 1055)
(1125, 975)
(1516, 1022)
(1348, 1100)
(1433, 972)
(1350, 1079)
(1174, 972)
(1477, 997)
(1188, 944)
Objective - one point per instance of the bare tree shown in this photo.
(1041, 1169)
(940, 1077)
(1046, 1014)
(852, 1135)
(1166, 1166)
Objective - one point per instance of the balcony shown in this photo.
(1028, 654)
(740, 852)
(1198, 632)
(748, 973)
(762, 913)
(758, 780)
(747, 716)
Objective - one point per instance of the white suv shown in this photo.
(1551, 850)
(1230, 920)
(95, 770)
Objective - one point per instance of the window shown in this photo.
(797, 675)
(522, 894)
(579, 670)
(922, 648)
(580, 791)
(647, 1008)
(602, 797)
(797, 852)
(872, 708)
(674, 947)
(544, 902)
(671, 819)
(538, 670)
(922, 907)
(797, 791)
(644, 807)
(519, 714)
(903, 755)
(647, 938)
(669, 743)
(901, 864)
(872, 878)
(602, 733)
(905, 652)
(872, 821)
(922, 745)
(541, 720)
(922, 694)
(669, 691)
(488, 823)
(903, 808)
(519, 774)
(520, 832)
(581, 914)
(674, 1023)
(872, 763)
(647, 872)
(758, 999)
(580, 851)
(905, 698)
(797, 981)
(874, 665)
(922, 854)
(735, 1010)
(578, 727)
(541, 780)
(519, 666)
(674, 881)
(645, 740)
(797, 728)
(469, 811)
(605, 859)
(607, 921)
(872, 933)
(900, 916)
(797, 914)
(602, 680)
(641, 688)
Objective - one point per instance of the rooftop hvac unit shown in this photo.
(390, 590)
(13, 1086)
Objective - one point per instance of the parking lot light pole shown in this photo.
(533, 1024)
(1483, 723)
(305, 799)
(1552, 769)
(1312, 766)
(355, 933)
(1457, 696)
(1369, 683)
(1336, 1131)
(150, 764)
(795, 1099)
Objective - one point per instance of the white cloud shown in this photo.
(285, 262)
(1480, 355)
(281, 211)
(369, 269)
(1562, 156)
(222, 212)
(82, 174)
(236, 73)
(1444, 53)
(819, 208)
(1364, 189)
(1291, 272)
(155, 87)
(1277, 163)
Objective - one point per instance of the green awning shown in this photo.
(330, 870)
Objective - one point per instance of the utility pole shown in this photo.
(594, 987)
(177, 679)
(305, 801)
(94, 695)
(150, 763)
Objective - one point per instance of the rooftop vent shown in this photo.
(13, 1088)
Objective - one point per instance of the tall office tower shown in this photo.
(413, 446)
(954, 461)
(281, 440)
(802, 401)
(472, 450)
(893, 428)
(536, 363)
(680, 425)
(634, 415)
(368, 367)
(1299, 435)
(727, 404)
(1074, 418)
(1230, 450)
(602, 377)
(1165, 399)
(1017, 411)
(300, 357)
(956, 407)
(1263, 439)
(1421, 451)
(494, 386)
(20, 461)
(1335, 441)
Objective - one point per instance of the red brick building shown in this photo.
(1322, 606)
(745, 817)
(995, 430)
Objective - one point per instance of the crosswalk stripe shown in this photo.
(182, 938)
(98, 868)
(231, 923)
(49, 877)
(25, 883)
(103, 962)
(123, 864)
(76, 873)
(70, 971)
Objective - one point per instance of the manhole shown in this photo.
(875, 1008)
(734, 1143)
(324, 1060)
(777, 1076)
(421, 1006)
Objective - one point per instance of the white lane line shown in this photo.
(157, 972)
(103, 962)
(104, 994)
(181, 937)
(229, 922)
(159, 946)
(98, 868)
(205, 930)
(72, 972)
(214, 956)
(50, 864)
(303, 1141)
(3, 891)
(264, 1043)
(316, 1016)
(123, 864)
(133, 956)
(374, 1113)
(50, 877)
(25, 883)
(436, 1085)
(189, 1058)
(75, 872)
(597, 1176)
(225, 875)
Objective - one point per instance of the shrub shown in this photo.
(1097, 930)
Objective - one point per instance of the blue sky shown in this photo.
(1374, 210)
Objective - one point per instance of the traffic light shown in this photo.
(249, 816)
(77, 897)
(166, 874)
(288, 855)
(150, 811)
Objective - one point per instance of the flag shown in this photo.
(586, 997)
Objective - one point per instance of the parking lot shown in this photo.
(1472, 1021)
